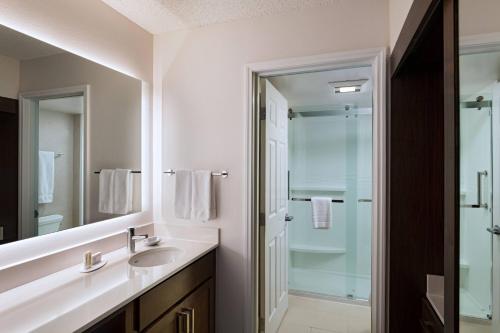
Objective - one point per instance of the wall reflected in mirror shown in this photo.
(479, 66)
(71, 139)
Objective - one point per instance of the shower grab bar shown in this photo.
(309, 199)
(364, 200)
(480, 203)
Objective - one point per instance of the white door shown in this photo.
(274, 232)
(496, 208)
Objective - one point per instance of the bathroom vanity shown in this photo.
(131, 293)
(182, 303)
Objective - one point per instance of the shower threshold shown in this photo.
(339, 299)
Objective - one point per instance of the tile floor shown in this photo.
(311, 315)
(471, 327)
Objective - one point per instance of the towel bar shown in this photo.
(309, 199)
(222, 173)
(133, 171)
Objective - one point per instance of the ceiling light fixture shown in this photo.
(341, 87)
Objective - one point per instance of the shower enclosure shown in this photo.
(479, 189)
(476, 208)
(330, 155)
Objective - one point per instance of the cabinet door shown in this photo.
(120, 321)
(193, 315)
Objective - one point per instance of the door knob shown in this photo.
(288, 218)
(495, 230)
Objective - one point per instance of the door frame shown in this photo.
(377, 58)
(477, 44)
(28, 119)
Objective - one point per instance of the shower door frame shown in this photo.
(376, 58)
(477, 44)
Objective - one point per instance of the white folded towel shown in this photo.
(45, 176)
(116, 188)
(183, 190)
(203, 206)
(123, 186)
(106, 187)
(321, 212)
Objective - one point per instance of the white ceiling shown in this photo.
(19, 46)
(159, 16)
(312, 89)
(478, 73)
(72, 105)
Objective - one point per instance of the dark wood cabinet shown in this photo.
(422, 165)
(184, 303)
(191, 315)
(9, 148)
(120, 321)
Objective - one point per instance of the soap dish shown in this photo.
(152, 241)
(93, 267)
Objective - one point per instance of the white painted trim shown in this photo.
(372, 57)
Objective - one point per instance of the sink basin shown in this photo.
(155, 257)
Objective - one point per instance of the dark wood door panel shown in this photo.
(9, 150)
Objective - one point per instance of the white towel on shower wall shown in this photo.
(182, 204)
(45, 176)
(202, 196)
(321, 212)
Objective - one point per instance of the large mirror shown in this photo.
(479, 66)
(70, 133)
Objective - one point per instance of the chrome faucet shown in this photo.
(132, 237)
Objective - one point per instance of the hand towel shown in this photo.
(45, 176)
(106, 187)
(321, 212)
(202, 197)
(122, 191)
(182, 204)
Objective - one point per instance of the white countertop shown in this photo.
(68, 300)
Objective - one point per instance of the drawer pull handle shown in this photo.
(185, 321)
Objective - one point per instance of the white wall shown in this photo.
(480, 18)
(91, 29)
(9, 84)
(199, 76)
(398, 11)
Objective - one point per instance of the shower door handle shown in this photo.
(480, 203)
(288, 218)
(495, 230)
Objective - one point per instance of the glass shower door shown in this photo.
(476, 208)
